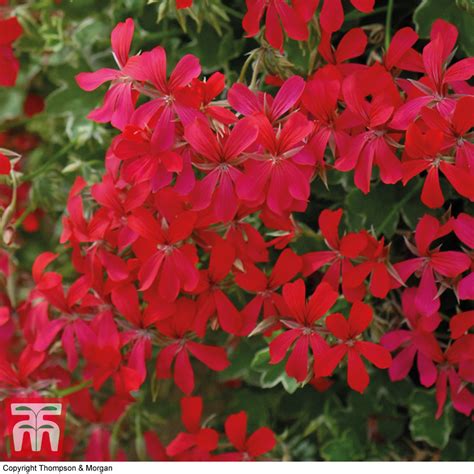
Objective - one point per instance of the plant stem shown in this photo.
(246, 65)
(10, 210)
(388, 23)
(72, 389)
(25, 214)
(256, 70)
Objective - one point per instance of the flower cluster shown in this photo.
(199, 193)
(435, 272)
(199, 442)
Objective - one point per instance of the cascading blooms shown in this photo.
(198, 191)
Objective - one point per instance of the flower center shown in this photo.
(166, 249)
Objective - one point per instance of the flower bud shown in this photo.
(8, 235)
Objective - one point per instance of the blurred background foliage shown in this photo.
(63, 38)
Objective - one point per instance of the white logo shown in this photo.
(36, 426)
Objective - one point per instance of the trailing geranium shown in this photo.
(186, 247)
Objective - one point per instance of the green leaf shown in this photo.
(381, 208)
(344, 448)
(11, 99)
(23, 408)
(140, 447)
(454, 451)
(367, 209)
(423, 424)
(240, 361)
(458, 12)
(272, 375)
(69, 99)
(469, 440)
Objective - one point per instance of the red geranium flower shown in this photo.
(10, 30)
(433, 91)
(374, 144)
(276, 177)
(424, 152)
(401, 55)
(221, 158)
(342, 250)
(456, 130)
(179, 328)
(455, 371)
(294, 20)
(351, 45)
(212, 298)
(332, 13)
(265, 287)
(347, 331)
(431, 263)
(120, 98)
(376, 265)
(168, 262)
(418, 341)
(248, 103)
(302, 329)
(249, 448)
(174, 92)
(197, 443)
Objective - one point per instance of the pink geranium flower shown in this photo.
(433, 91)
(221, 159)
(430, 263)
(277, 168)
(417, 341)
(10, 31)
(294, 20)
(120, 99)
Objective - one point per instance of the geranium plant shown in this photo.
(253, 216)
